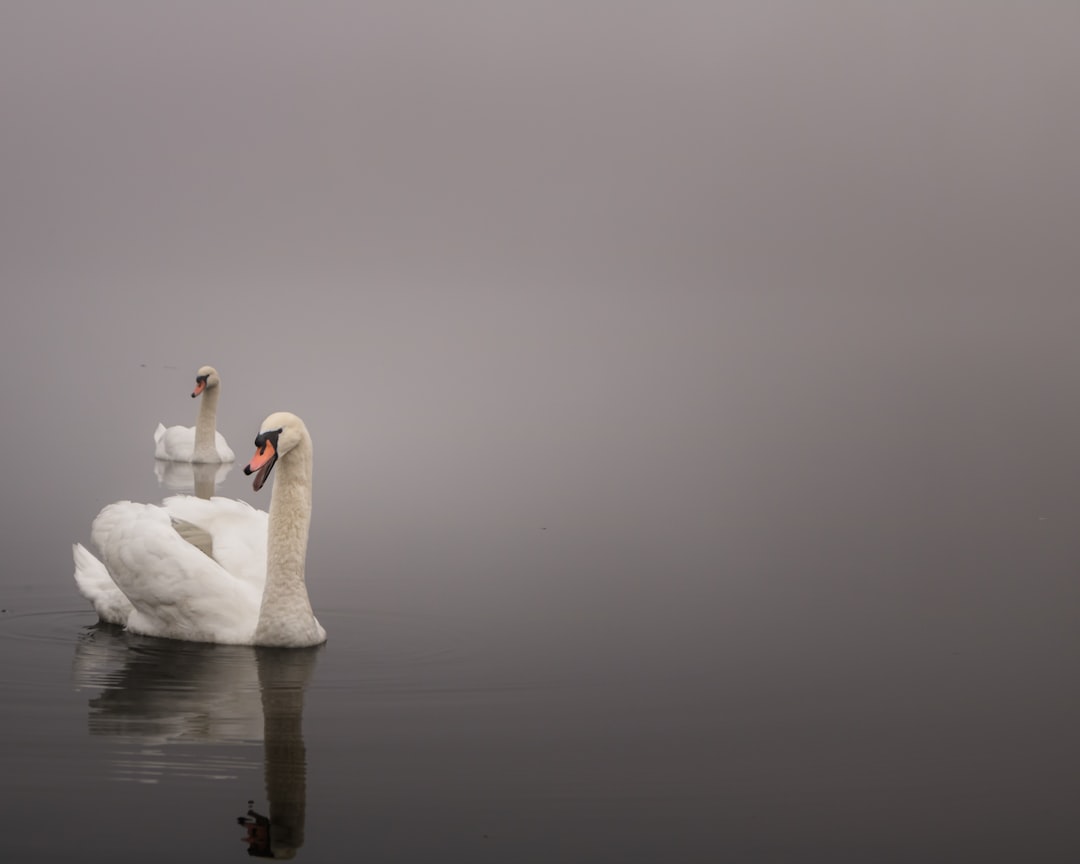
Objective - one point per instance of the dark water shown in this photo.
(876, 666)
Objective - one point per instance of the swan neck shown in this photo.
(285, 616)
(206, 427)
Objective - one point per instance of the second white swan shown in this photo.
(201, 442)
(217, 570)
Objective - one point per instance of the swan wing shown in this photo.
(176, 443)
(176, 590)
(223, 449)
(237, 532)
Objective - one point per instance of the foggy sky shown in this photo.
(642, 264)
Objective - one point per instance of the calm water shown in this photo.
(839, 668)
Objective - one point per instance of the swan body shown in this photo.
(201, 442)
(212, 570)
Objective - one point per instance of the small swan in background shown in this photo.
(212, 570)
(201, 442)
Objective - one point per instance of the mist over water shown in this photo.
(693, 401)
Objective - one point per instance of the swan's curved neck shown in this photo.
(285, 617)
(206, 427)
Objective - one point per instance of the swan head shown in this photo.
(279, 433)
(205, 378)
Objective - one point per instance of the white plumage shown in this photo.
(214, 570)
(201, 442)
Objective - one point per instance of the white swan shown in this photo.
(201, 442)
(212, 570)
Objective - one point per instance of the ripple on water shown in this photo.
(37, 646)
(379, 652)
(48, 625)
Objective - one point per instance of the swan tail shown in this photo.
(97, 586)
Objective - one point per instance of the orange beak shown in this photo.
(262, 461)
(199, 387)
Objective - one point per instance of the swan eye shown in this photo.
(263, 438)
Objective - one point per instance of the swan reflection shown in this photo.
(165, 700)
(198, 478)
